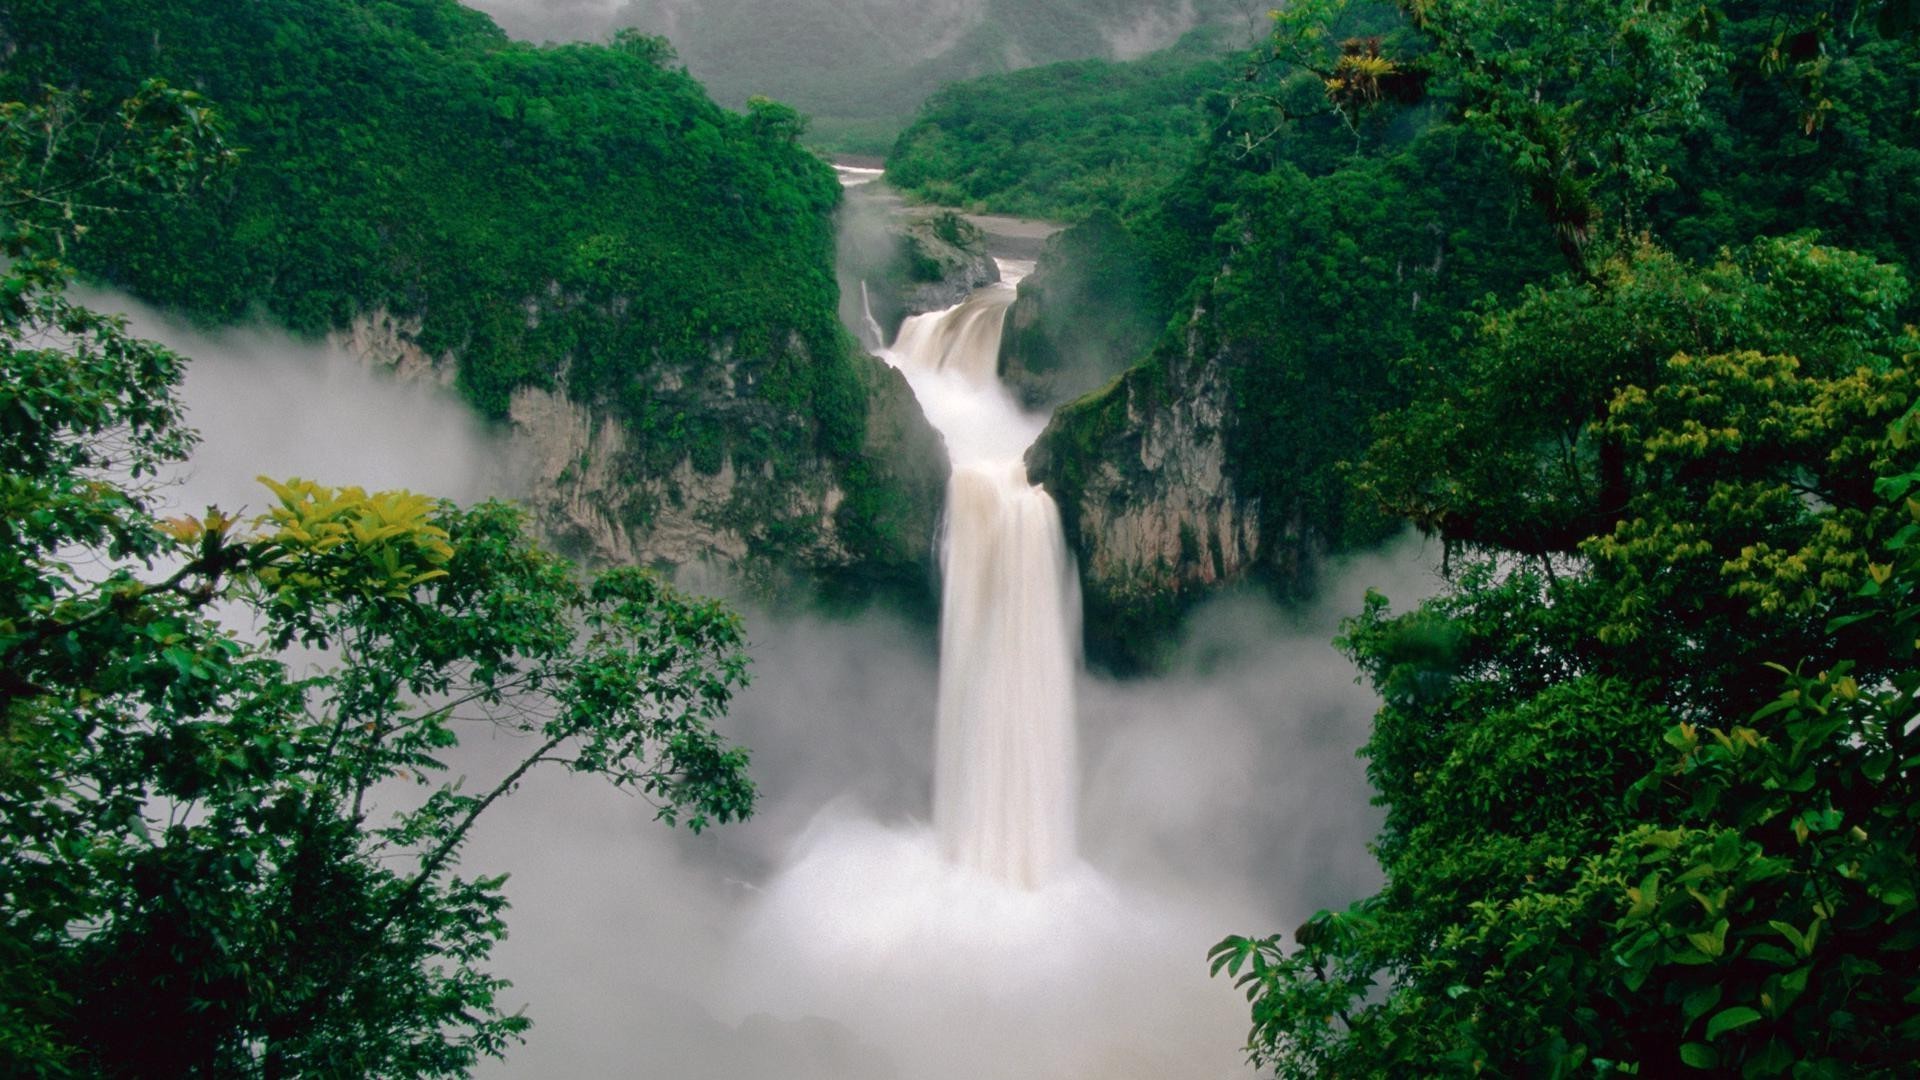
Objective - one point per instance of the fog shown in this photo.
(822, 939)
(595, 20)
(872, 59)
(268, 404)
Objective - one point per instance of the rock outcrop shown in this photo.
(946, 258)
(382, 339)
(896, 260)
(735, 482)
(1148, 496)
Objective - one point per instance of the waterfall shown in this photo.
(986, 943)
(1004, 781)
(871, 336)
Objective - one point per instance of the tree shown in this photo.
(1614, 840)
(1581, 95)
(193, 880)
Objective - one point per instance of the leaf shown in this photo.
(1792, 934)
(1711, 942)
(1699, 1055)
(1700, 1001)
(1731, 1019)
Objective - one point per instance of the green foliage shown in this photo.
(1813, 125)
(581, 213)
(195, 881)
(1613, 842)
(1340, 281)
(1584, 885)
(1580, 96)
(1063, 140)
(1087, 313)
(1755, 388)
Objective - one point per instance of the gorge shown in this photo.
(833, 937)
(1071, 639)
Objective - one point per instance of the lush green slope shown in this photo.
(406, 154)
(1334, 231)
(583, 213)
(1062, 140)
(1542, 279)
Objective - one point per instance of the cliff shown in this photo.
(1084, 315)
(1143, 472)
(602, 490)
(636, 281)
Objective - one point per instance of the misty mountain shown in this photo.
(866, 65)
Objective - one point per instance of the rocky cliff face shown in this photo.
(905, 260)
(1149, 499)
(738, 484)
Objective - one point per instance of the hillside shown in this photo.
(1064, 139)
(1322, 243)
(579, 222)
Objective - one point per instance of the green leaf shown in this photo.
(1791, 933)
(1711, 942)
(1730, 1019)
(1700, 1001)
(1699, 1055)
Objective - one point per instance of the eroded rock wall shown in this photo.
(735, 482)
(1150, 501)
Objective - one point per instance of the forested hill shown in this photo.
(1062, 140)
(1342, 205)
(580, 211)
(407, 154)
(1615, 300)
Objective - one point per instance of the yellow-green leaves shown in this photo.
(345, 540)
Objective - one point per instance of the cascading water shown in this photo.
(985, 944)
(871, 335)
(1004, 780)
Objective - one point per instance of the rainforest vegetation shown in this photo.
(1615, 299)
(407, 155)
(1062, 140)
(193, 878)
(579, 216)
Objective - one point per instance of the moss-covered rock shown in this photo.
(897, 260)
(1086, 313)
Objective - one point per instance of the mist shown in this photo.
(552, 20)
(870, 62)
(268, 404)
(822, 940)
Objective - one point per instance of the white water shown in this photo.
(984, 945)
(1004, 779)
(855, 176)
(871, 336)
